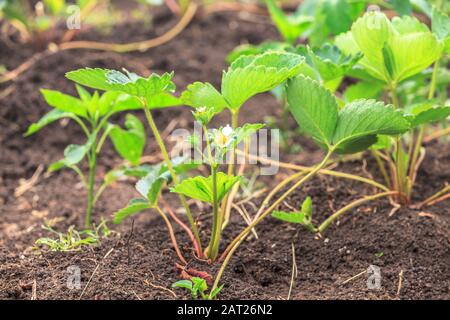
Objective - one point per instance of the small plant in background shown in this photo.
(38, 22)
(92, 112)
(198, 288)
(74, 240)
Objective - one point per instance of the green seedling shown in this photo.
(198, 288)
(92, 112)
(74, 240)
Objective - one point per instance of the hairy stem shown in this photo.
(351, 205)
(216, 227)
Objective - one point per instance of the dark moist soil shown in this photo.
(411, 243)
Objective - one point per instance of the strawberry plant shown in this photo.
(395, 51)
(92, 112)
(350, 129)
(245, 78)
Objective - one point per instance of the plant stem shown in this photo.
(419, 140)
(234, 125)
(168, 163)
(225, 214)
(216, 227)
(91, 182)
(435, 196)
(171, 233)
(238, 240)
(382, 168)
(351, 205)
(322, 171)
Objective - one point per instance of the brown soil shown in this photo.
(412, 242)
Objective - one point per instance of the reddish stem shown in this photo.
(182, 225)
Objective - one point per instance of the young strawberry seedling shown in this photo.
(92, 112)
(245, 78)
(197, 286)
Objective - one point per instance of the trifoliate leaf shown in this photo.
(134, 206)
(250, 75)
(201, 188)
(354, 128)
(393, 51)
(361, 121)
(314, 108)
(440, 24)
(112, 80)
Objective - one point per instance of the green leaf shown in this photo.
(73, 154)
(150, 186)
(370, 33)
(250, 49)
(337, 15)
(403, 7)
(302, 217)
(363, 89)
(129, 143)
(156, 175)
(201, 188)
(393, 51)
(112, 80)
(246, 131)
(163, 100)
(314, 108)
(250, 75)
(134, 206)
(290, 26)
(184, 284)
(360, 121)
(216, 291)
(440, 24)
(48, 118)
(307, 207)
(428, 114)
(198, 95)
(330, 62)
(64, 102)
